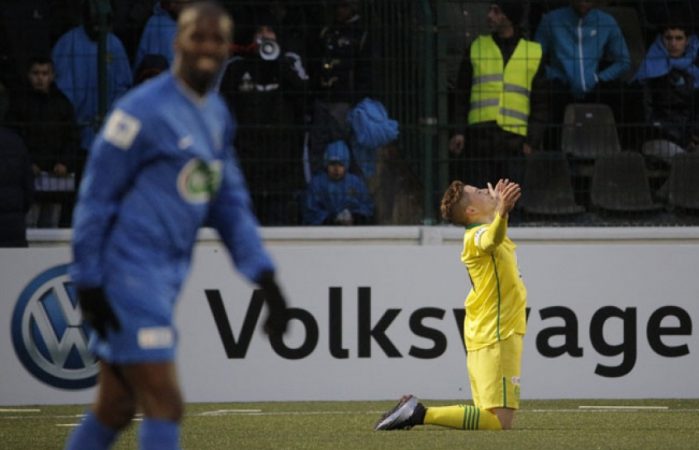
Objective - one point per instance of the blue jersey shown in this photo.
(160, 168)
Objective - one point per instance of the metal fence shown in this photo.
(600, 161)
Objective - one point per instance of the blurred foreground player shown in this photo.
(160, 168)
(495, 322)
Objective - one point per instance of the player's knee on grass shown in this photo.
(505, 416)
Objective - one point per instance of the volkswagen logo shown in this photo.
(48, 335)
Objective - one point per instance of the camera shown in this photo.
(268, 49)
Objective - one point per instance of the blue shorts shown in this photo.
(144, 304)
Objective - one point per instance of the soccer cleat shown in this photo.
(399, 417)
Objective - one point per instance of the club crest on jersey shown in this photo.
(199, 181)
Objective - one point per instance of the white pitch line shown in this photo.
(619, 407)
(223, 412)
(71, 425)
(255, 412)
(19, 410)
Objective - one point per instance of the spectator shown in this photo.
(159, 32)
(263, 86)
(150, 67)
(342, 69)
(25, 31)
(130, 17)
(670, 78)
(75, 56)
(341, 75)
(500, 94)
(336, 197)
(397, 191)
(46, 121)
(16, 185)
(371, 129)
(585, 53)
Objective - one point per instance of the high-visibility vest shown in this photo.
(502, 94)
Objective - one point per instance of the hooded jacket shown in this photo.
(326, 197)
(575, 46)
(158, 36)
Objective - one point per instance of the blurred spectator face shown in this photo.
(693, 145)
(336, 171)
(582, 7)
(675, 41)
(265, 32)
(344, 11)
(41, 77)
(496, 19)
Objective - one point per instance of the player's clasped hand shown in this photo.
(506, 193)
(96, 310)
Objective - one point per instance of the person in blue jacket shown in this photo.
(575, 39)
(75, 62)
(337, 197)
(161, 167)
(159, 32)
(669, 75)
(585, 54)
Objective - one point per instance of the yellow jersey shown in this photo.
(495, 307)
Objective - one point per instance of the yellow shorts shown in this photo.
(494, 372)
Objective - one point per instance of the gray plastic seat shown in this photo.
(547, 188)
(620, 184)
(684, 181)
(589, 131)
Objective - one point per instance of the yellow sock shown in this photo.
(462, 417)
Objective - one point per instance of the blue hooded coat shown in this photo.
(326, 198)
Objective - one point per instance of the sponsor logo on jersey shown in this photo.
(185, 142)
(48, 335)
(156, 337)
(479, 233)
(198, 181)
(121, 129)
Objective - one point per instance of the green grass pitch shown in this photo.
(554, 424)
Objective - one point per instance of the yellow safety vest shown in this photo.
(502, 94)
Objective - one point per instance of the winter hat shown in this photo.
(337, 152)
(513, 9)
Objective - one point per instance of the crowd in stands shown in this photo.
(300, 86)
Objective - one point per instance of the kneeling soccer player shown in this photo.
(495, 320)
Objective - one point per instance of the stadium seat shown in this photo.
(684, 182)
(620, 184)
(662, 150)
(589, 131)
(547, 188)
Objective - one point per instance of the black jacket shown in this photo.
(47, 124)
(16, 189)
(672, 103)
(266, 98)
(343, 60)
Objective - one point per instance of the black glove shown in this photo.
(278, 318)
(96, 310)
